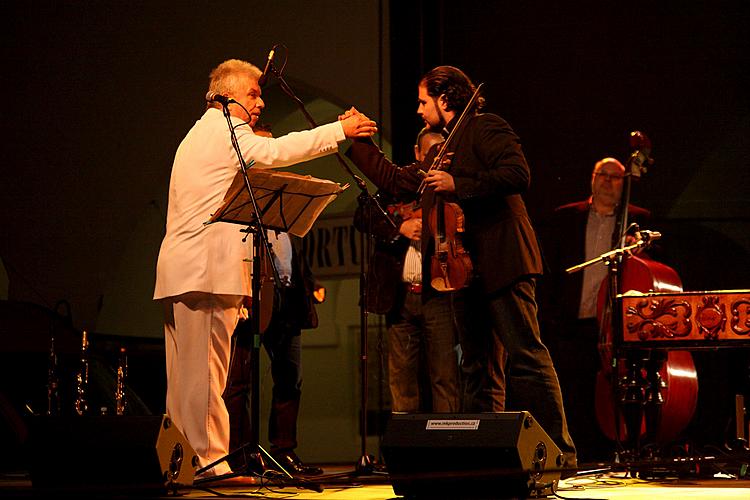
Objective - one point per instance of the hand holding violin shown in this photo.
(441, 181)
(412, 228)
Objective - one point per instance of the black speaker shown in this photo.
(485, 455)
(109, 453)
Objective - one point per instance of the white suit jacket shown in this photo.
(213, 259)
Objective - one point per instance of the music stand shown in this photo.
(287, 202)
(262, 199)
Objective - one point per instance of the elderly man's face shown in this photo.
(606, 183)
(249, 97)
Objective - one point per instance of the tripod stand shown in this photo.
(364, 464)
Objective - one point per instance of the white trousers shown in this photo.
(198, 331)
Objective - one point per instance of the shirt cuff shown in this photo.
(340, 136)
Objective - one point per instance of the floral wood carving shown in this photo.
(660, 318)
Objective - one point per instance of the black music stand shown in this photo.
(364, 464)
(287, 202)
(262, 199)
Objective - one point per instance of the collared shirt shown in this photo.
(413, 263)
(599, 229)
(282, 255)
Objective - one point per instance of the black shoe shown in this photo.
(294, 466)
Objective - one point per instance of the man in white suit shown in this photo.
(203, 272)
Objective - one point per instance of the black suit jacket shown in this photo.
(386, 265)
(490, 173)
(296, 304)
(564, 243)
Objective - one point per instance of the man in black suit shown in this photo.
(576, 233)
(486, 177)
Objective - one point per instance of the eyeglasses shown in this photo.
(609, 177)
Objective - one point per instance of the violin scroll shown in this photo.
(640, 159)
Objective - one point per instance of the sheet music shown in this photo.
(288, 202)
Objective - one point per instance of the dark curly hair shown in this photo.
(454, 84)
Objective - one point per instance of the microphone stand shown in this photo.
(632, 398)
(607, 257)
(364, 464)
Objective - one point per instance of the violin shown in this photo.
(451, 267)
(405, 210)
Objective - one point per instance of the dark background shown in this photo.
(99, 95)
(573, 80)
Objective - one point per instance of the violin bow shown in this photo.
(444, 147)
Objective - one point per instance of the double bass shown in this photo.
(640, 393)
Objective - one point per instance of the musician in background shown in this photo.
(487, 175)
(578, 232)
(292, 311)
(202, 271)
(417, 330)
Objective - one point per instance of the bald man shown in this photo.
(576, 233)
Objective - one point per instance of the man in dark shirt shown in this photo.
(421, 334)
(576, 233)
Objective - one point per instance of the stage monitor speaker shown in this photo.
(484, 455)
(109, 453)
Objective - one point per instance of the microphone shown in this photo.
(646, 235)
(633, 229)
(216, 97)
(264, 77)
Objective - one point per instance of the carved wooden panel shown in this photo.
(714, 318)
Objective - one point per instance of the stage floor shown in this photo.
(614, 486)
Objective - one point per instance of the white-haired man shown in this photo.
(203, 273)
